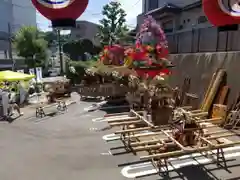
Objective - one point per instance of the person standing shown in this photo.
(13, 99)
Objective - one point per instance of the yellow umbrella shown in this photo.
(14, 76)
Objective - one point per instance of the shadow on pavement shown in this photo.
(115, 107)
(236, 178)
(90, 99)
(195, 172)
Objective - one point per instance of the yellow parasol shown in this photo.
(14, 76)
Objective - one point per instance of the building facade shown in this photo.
(187, 28)
(23, 13)
(176, 15)
(85, 30)
(13, 15)
(149, 5)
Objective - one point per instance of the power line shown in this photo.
(132, 6)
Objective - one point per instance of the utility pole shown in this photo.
(10, 46)
(60, 51)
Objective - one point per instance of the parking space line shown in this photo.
(203, 160)
(111, 137)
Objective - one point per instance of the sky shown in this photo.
(93, 12)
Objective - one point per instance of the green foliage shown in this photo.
(76, 49)
(52, 37)
(112, 27)
(29, 44)
(83, 64)
(80, 67)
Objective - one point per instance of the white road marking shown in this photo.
(107, 153)
(93, 129)
(97, 119)
(198, 154)
(88, 115)
(111, 137)
(105, 119)
(125, 171)
(95, 106)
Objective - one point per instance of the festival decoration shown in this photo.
(112, 55)
(222, 12)
(136, 68)
(151, 52)
(61, 12)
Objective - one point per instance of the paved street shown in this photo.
(70, 147)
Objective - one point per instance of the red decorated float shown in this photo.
(62, 13)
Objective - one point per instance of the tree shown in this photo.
(113, 26)
(29, 44)
(76, 49)
(52, 37)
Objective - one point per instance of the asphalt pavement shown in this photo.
(71, 146)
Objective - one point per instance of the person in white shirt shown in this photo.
(13, 103)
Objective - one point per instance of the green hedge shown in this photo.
(80, 67)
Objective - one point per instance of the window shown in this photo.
(202, 19)
(152, 4)
(168, 26)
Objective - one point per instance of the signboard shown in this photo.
(31, 71)
(39, 74)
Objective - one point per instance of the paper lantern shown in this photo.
(62, 13)
(222, 12)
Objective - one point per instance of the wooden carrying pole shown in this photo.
(125, 123)
(142, 118)
(160, 132)
(174, 140)
(120, 114)
(155, 141)
(135, 130)
(122, 119)
(141, 143)
(196, 113)
(190, 151)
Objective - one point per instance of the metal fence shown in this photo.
(204, 40)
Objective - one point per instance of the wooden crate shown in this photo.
(219, 111)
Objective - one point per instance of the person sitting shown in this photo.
(13, 99)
